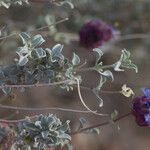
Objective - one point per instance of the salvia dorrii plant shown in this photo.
(38, 66)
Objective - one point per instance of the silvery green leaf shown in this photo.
(96, 90)
(45, 131)
(1, 74)
(103, 79)
(95, 131)
(6, 90)
(108, 74)
(23, 60)
(57, 49)
(98, 98)
(25, 37)
(99, 54)
(69, 2)
(37, 40)
(65, 127)
(22, 50)
(2, 133)
(30, 126)
(38, 53)
(48, 51)
(38, 124)
(29, 78)
(6, 5)
(65, 136)
(114, 115)
(69, 146)
(69, 72)
(49, 73)
(117, 66)
(50, 20)
(75, 59)
(133, 66)
(82, 122)
(13, 146)
(56, 52)
(2, 31)
(66, 87)
(125, 62)
(44, 134)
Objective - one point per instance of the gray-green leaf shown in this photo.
(75, 59)
(25, 37)
(23, 60)
(37, 40)
(99, 54)
(38, 53)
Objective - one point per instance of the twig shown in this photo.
(34, 85)
(58, 22)
(101, 91)
(16, 121)
(133, 36)
(75, 37)
(35, 30)
(52, 84)
(100, 124)
(36, 109)
(82, 101)
(41, 109)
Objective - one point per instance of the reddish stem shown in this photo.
(101, 124)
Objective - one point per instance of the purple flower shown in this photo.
(141, 108)
(94, 33)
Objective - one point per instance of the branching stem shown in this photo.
(42, 109)
(101, 124)
(34, 85)
(82, 101)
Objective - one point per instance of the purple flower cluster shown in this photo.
(94, 33)
(141, 108)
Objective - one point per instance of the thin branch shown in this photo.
(81, 66)
(16, 121)
(42, 109)
(58, 22)
(34, 85)
(94, 68)
(36, 109)
(35, 30)
(52, 84)
(85, 69)
(133, 36)
(101, 91)
(101, 124)
(82, 101)
(75, 37)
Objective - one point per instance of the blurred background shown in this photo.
(128, 17)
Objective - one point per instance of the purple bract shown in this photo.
(94, 33)
(141, 108)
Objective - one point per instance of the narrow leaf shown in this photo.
(75, 59)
